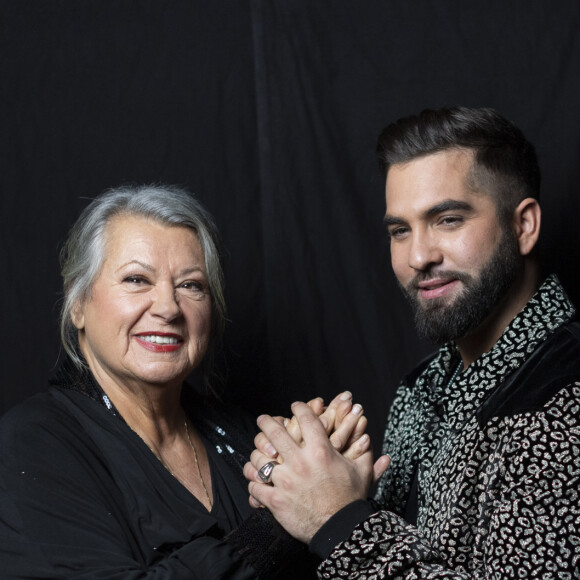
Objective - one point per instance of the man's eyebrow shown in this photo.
(390, 220)
(449, 205)
(445, 205)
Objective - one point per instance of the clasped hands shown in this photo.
(325, 462)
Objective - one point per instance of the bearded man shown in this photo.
(484, 437)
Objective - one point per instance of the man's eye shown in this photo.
(451, 220)
(397, 233)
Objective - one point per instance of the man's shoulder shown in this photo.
(553, 365)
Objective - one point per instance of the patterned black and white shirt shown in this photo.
(500, 500)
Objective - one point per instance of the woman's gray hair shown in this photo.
(83, 254)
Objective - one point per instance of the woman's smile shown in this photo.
(160, 341)
(148, 318)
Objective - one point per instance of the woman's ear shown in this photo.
(527, 219)
(77, 315)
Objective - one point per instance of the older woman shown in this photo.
(118, 471)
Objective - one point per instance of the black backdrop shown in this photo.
(269, 111)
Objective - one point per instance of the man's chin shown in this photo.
(433, 318)
(440, 326)
(434, 304)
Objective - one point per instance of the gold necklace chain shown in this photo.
(197, 465)
(158, 455)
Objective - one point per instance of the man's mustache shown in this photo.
(433, 275)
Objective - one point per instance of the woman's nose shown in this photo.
(165, 302)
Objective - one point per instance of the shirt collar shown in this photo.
(546, 311)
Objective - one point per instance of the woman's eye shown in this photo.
(135, 280)
(193, 285)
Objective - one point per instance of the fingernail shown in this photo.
(286, 421)
(270, 450)
(346, 396)
(364, 439)
(357, 409)
(294, 404)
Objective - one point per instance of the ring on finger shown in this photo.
(265, 472)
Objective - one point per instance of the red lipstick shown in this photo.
(159, 341)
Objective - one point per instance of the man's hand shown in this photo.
(314, 481)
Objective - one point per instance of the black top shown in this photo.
(82, 496)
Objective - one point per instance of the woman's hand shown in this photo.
(344, 422)
(314, 481)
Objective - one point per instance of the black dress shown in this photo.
(82, 496)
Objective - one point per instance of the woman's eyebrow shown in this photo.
(138, 263)
(184, 272)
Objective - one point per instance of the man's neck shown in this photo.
(482, 339)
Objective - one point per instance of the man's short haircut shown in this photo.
(505, 163)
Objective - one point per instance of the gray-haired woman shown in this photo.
(118, 471)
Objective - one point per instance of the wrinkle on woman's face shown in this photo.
(148, 319)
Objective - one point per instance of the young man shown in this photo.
(485, 436)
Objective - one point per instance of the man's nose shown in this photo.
(424, 251)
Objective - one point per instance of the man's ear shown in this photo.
(77, 315)
(527, 219)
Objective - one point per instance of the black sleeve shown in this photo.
(273, 552)
(339, 527)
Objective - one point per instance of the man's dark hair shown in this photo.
(505, 163)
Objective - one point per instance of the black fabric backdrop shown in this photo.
(268, 110)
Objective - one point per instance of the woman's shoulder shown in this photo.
(35, 412)
(37, 431)
(46, 421)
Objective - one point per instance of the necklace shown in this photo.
(158, 455)
(455, 373)
(197, 465)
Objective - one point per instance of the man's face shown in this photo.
(451, 255)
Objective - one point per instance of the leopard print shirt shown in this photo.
(497, 502)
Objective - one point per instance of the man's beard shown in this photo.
(441, 322)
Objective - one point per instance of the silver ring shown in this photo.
(265, 472)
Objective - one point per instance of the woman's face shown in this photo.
(148, 318)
